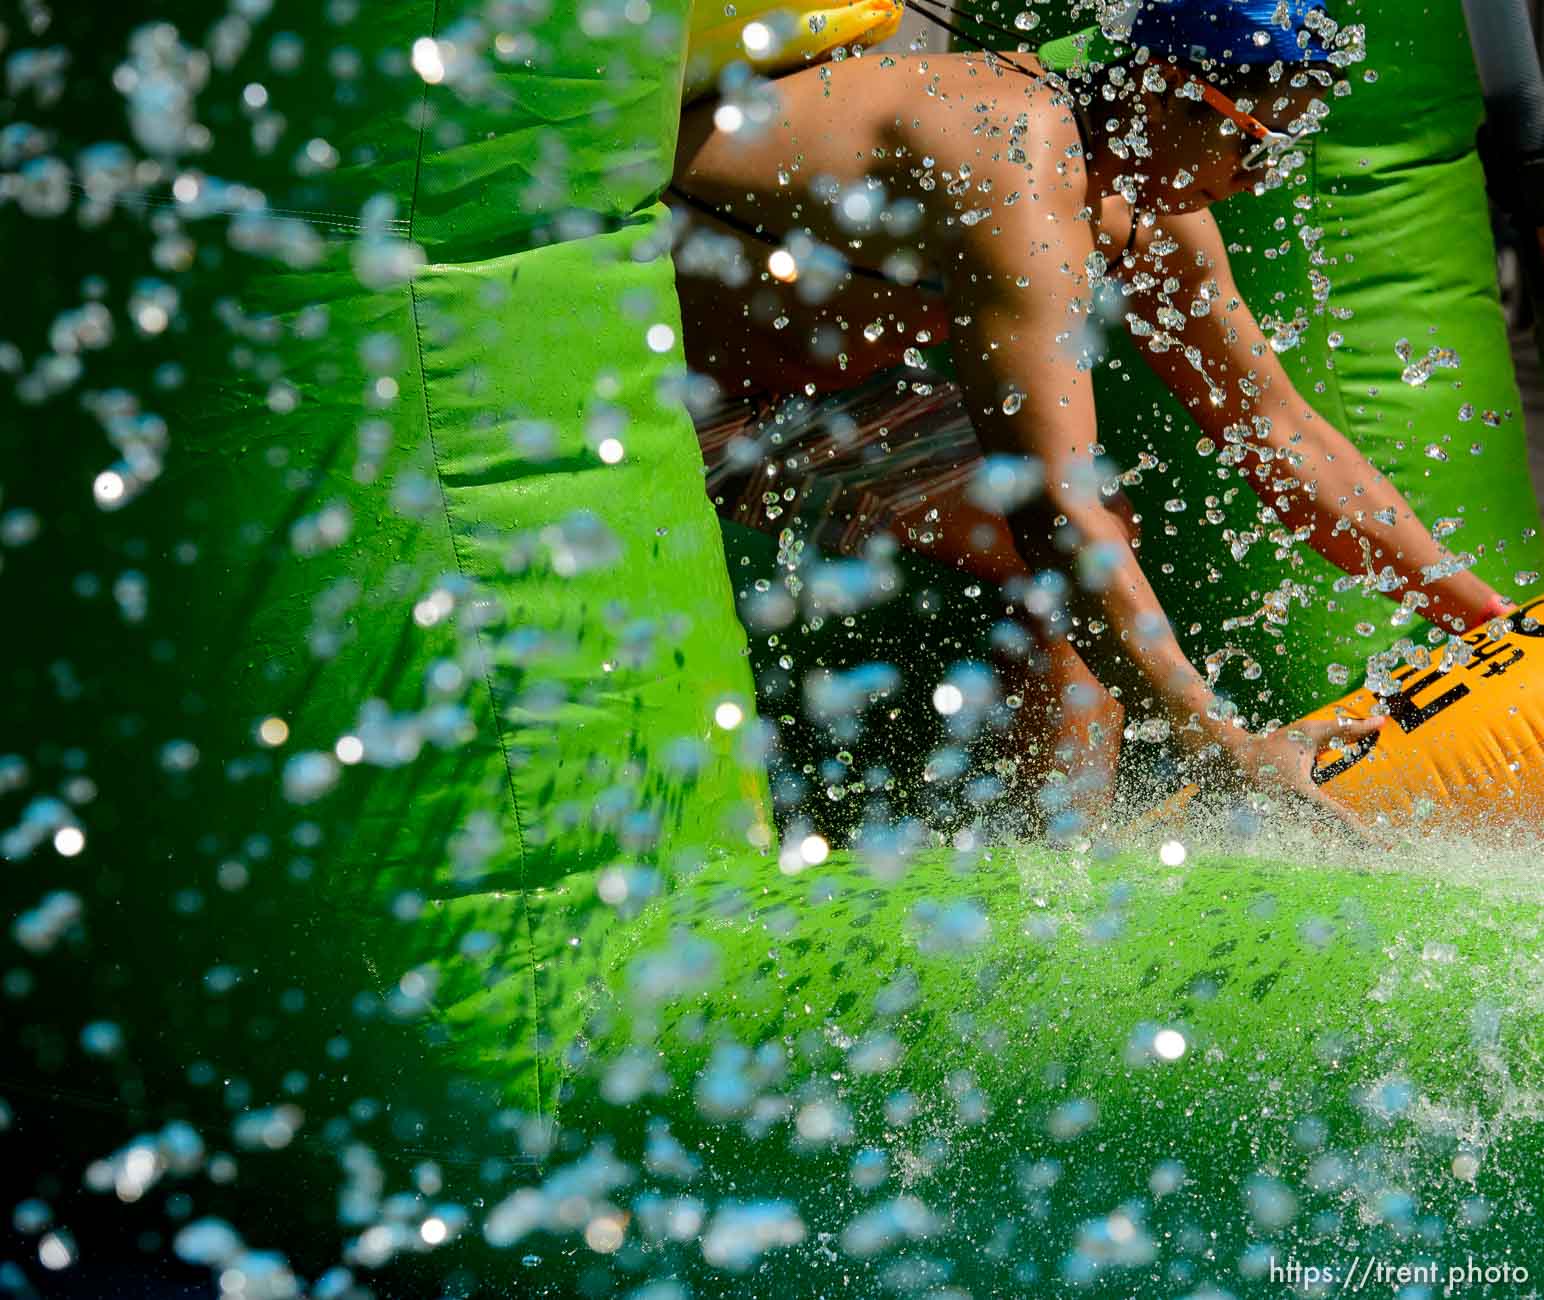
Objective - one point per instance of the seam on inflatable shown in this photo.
(455, 551)
(412, 203)
(493, 699)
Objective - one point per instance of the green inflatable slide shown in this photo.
(391, 884)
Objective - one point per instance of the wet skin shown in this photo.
(1012, 295)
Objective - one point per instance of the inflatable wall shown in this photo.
(375, 609)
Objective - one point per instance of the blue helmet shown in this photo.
(1227, 31)
(1204, 31)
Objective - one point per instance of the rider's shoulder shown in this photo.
(1048, 133)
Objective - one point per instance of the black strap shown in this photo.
(925, 8)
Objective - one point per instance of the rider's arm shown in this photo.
(1019, 307)
(1020, 301)
(1221, 367)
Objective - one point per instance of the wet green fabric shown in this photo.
(383, 513)
(988, 1023)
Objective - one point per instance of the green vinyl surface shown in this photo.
(383, 514)
(1239, 1055)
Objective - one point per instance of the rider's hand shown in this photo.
(1284, 760)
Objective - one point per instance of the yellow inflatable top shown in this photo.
(774, 36)
(1464, 744)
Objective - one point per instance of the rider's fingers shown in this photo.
(1319, 731)
(1354, 729)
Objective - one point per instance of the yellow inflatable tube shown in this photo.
(1461, 749)
(1464, 734)
(773, 36)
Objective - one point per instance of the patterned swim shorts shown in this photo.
(845, 466)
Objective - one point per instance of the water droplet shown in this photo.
(1418, 372)
(57, 1251)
